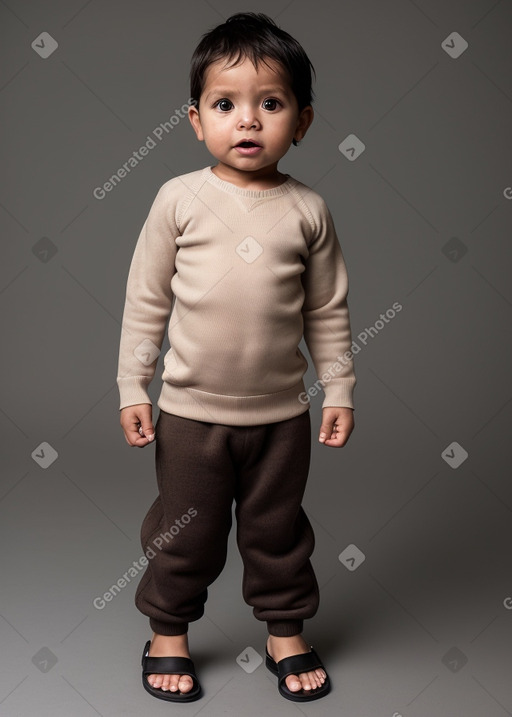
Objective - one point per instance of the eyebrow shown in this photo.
(226, 91)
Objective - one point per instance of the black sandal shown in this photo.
(294, 665)
(169, 666)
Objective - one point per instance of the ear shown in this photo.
(306, 117)
(195, 121)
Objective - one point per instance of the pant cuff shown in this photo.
(285, 628)
(168, 628)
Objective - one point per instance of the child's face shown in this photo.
(240, 103)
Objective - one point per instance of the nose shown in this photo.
(248, 119)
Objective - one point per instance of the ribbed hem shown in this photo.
(168, 628)
(232, 410)
(281, 189)
(285, 628)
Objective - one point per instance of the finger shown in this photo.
(333, 436)
(336, 441)
(134, 438)
(327, 431)
(147, 432)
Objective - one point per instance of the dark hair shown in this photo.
(256, 36)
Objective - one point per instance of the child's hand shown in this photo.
(337, 425)
(137, 424)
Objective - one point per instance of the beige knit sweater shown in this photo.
(250, 272)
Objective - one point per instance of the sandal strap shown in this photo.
(299, 663)
(168, 666)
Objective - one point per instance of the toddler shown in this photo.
(243, 261)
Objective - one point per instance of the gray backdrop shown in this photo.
(413, 516)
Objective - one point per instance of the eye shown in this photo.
(224, 105)
(270, 104)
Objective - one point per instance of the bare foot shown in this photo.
(280, 647)
(170, 646)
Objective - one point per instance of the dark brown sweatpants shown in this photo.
(201, 468)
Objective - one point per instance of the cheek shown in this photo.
(285, 132)
(216, 129)
(285, 124)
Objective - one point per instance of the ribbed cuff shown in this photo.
(340, 392)
(168, 628)
(133, 390)
(285, 628)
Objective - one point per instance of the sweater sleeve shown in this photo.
(327, 330)
(148, 300)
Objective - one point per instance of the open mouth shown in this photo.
(247, 144)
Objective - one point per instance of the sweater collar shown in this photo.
(283, 188)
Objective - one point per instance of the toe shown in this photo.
(293, 683)
(185, 683)
(173, 683)
(306, 682)
(313, 680)
(156, 680)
